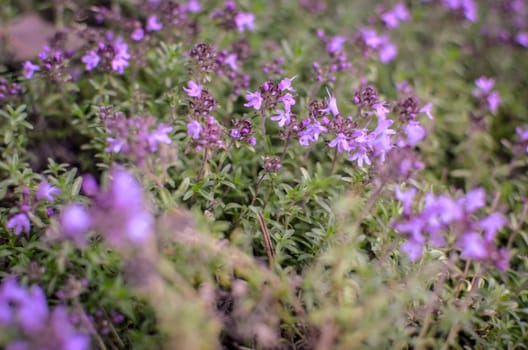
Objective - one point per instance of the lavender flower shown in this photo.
(30, 69)
(159, 136)
(254, 100)
(194, 89)
(46, 192)
(335, 44)
(341, 143)
(19, 222)
(311, 133)
(137, 34)
(120, 60)
(397, 14)
(91, 59)
(39, 328)
(76, 221)
(244, 21)
(522, 39)
(194, 129)
(153, 24)
(282, 118)
(415, 133)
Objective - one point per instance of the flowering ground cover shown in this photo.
(258, 174)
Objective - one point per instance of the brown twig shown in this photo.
(266, 237)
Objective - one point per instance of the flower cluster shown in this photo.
(137, 136)
(9, 90)
(270, 94)
(229, 18)
(119, 213)
(243, 131)
(20, 222)
(337, 58)
(53, 60)
(27, 312)
(110, 53)
(474, 237)
(466, 8)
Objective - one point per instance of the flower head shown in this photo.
(18, 223)
(244, 21)
(46, 192)
(91, 59)
(153, 24)
(29, 69)
(254, 100)
(194, 89)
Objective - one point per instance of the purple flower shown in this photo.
(231, 61)
(283, 118)
(332, 106)
(470, 10)
(153, 24)
(288, 101)
(120, 61)
(360, 156)
(371, 38)
(285, 84)
(46, 191)
(235, 133)
(137, 34)
(473, 246)
(254, 100)
(522, 133)
(311, 133)
(245, 20)
(91, 59)
(484, 86)
(387, 52)
(473, 200)
(194, 129)
(75, 222)
(427, 110)
(494, 100)
(397, 14)
(29, 69)
(115, 145)
(413, 249)
(159, 136)
(18, 223)
(335, 45)
(406, 198)
(341, 142)
(491, 225)
(415, 133)
(193, 90)
(193, 6)
(522, 39)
